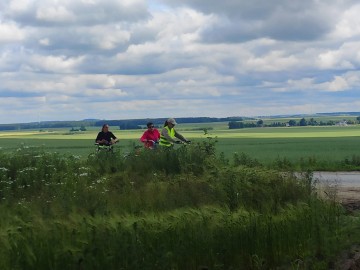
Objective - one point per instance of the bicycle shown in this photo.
(154, 144)
(109, 147)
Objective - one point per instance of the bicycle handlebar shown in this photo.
(182, 142)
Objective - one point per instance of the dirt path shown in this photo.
(349, 197)
(345, 188)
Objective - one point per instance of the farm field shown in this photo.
(182, 209)
(325, 144)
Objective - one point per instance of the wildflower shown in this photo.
(30, 169)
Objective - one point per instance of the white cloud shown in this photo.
(110, 93)
(338, 84)
(44, 42)
(9, 32)
(302, 85)
(107, 37)
(274, 61)
(58, 64)
(55, 14)
(18, 5)
(206, 58)
(347, 81)
(334, 60)
(348, 24)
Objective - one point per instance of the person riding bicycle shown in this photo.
(151, 136)
(169, 135)
(106, 137)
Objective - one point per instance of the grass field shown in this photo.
(326, 144)
(185, 208)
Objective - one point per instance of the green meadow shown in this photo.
(328, 146)
(223, 202)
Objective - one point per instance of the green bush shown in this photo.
(169, 209)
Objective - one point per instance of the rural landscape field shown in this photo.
(266, 175)
(232, 199)
(326, 145)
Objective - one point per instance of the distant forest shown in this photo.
(234, 122)
(122, 124)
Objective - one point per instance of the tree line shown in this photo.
(122, 124)
(233, 123)
(291, 123)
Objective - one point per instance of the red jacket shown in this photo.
(149, 137)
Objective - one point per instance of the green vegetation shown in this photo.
(316, 148)
(184, 208)
(223, 202)
(122, 124)
(282, 122)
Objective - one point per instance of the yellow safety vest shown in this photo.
(163, 141)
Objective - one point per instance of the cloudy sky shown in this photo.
(125, 59)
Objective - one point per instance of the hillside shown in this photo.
(139, 123)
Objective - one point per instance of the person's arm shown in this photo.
(180, 137)
(157, 135)
(113, 138)
(99, 138)
(144, 137)
(165, 133)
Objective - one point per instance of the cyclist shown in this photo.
(151, 136)
(169, 135)
(106, 137)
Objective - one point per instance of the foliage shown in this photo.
(291, 123)
(328, 146)
(245, 160)
(179, 208)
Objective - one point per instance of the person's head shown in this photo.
(150, 125)
(105, 128)
(171, 122)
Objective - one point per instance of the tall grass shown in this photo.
(183, 208)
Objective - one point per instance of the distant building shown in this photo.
(342, 123)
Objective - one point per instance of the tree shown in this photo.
(260, 123)
(234, 124)
(303, 122)
(292, 123)
(312, 122)
(358, 119)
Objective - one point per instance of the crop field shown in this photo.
(323, 144)
(66, 207)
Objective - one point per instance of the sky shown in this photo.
(129, 59)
